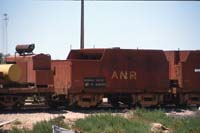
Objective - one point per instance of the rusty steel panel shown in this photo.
(62, 75)
(17, 58)
(43, 77)
(41, 62)
(88, 54)
(81, 70)
(173, 64)
(23, 66)
(119, 70)
(144, 70)
(187, 70)
(184, 55)
(30, 72)
(10, 59)
(1, 78)
(190, 70)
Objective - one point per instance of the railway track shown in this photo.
(41, 107)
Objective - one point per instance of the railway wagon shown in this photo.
(35, 78)
(185, 76)
(120, 75)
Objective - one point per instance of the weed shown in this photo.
(46, 126)
(189, 125)
(17, 130)
(178, 125)
(108, 123)
(154, 116)
(42, 126)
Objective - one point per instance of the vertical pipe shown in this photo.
(82, 25)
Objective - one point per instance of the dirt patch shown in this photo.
(28, 119)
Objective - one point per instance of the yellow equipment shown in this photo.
(11, 72)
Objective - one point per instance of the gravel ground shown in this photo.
(28, 118)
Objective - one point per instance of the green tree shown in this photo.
(1, 58)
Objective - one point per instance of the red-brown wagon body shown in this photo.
(185, 71)
(116, 73)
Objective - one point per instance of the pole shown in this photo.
(82, 25)
(5, 34)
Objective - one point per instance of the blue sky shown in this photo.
(55, 25)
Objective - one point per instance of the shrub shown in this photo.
(178, 125)
(189, 125)
(108, 123)
(17, 130)
(154, 116)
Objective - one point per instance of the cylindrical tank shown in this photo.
(25, 48)
(11, 72)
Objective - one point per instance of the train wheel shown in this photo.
(53, 105)
(18, 102)
(115, 103)
(138, 105)
(56, 101)
(182, 105)
(12, 101)
(17, 105)
(128, 101)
